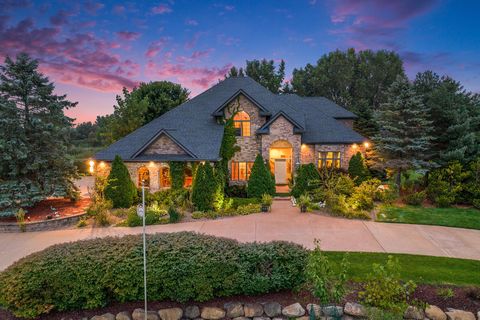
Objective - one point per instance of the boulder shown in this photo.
(212, 313)
(317, 310)
(192, 312)
(233, 309)
(413, 313)
(435, 313)
(454, 314)
(139, 314)
(241, 318)
(355, 309)
(348, 317)
(106, 316)
(272, 309)
(332, 311)
(252, 310)
(261, 318)
(170, 314)
(124, 315)
(304, 318)
(294, 310)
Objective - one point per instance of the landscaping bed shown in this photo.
(459, 217)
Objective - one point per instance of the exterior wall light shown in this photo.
(366, 144)
(354, 146)
(91, 164)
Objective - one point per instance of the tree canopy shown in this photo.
(264, 72)
(34, 137)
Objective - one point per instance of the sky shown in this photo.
(92, 49)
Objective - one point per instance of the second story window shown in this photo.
(241, 121)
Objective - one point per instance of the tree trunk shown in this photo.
(399, 179)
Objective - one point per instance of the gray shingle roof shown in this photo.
(194, 127)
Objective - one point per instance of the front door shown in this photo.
(280, 171)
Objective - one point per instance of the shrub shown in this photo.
(177, 174)
(306, 180)
(261, 180)
(383, 288)
(363, 196)
(445, 185)
(120, 188)
(203, 189)
(173, 215)
(100, 212)
(304, 200)
(357, 169)
(243, 201)
(387, 195)
(473, 293)
(476, 203)
(444, 200)
(416, 198)
(328, 281)
(267, 200)
(20, 216)
(445, 293)
(236, 191)
(181, 267)
(82, 223)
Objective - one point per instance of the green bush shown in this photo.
(173, 215)
(120, 188)
(328, 282)
(357, 168)
(204, 188)
(306, 180)
(181, 267)
(237, 202)
(446, 185)
(385, 290)
(261, 180)
(364, 195)
(416, 198)
(152, 216)
(236, 191)
(177, 174)
(444, 200)
(99, 210)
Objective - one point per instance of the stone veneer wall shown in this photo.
(282, 129)
(346, 151)
(164, 145)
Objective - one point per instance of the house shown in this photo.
(288, 130)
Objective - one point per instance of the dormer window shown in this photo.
(241, 121)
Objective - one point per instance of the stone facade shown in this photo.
(164, 145)
(310, 152)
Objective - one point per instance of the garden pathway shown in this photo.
(283, 223)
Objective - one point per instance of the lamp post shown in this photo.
(141, 212)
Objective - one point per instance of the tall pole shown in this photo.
(144, 251)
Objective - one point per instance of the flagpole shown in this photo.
(144, 251)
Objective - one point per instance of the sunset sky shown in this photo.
(91, 49)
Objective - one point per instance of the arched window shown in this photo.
(241, 121)
(164, 175)
(188, 178)
(143, 177)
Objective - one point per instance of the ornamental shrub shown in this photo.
(120, 188)
(357, 168)
(416, 198)
(203, 190)
(181, 267)
(306, 180)
(364, 195)
(261, 180)
(173, 215)
(177, 174)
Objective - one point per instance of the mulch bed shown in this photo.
(64, 207)
(425, 293)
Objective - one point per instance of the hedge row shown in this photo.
(181, 266)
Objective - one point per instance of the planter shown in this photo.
(303, 208)
(265, 208)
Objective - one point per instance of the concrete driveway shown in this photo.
(283, 223)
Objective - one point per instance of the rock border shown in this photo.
(43, 225)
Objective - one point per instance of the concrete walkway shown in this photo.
(283, 223)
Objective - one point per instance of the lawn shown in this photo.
(449, 217)
(421, 269)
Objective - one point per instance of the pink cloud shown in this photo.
(128, 35)
(191, 22)
(60, 18)
(155, 47)
(161, 9)
(79, 59)
(193, 41)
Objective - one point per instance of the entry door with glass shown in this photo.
(280, 171)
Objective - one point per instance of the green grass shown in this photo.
(449, 217)
(421, 269)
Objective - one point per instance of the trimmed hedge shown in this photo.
(180, 266)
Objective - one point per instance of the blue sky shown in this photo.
(91, 49)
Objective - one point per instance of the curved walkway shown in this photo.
(283, 223)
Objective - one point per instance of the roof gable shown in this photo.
(163, 143)
(219, 111)
(265, 128)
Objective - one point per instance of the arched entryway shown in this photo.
(280, 156)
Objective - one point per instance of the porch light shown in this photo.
(151, 164)
(366, 144)
(91, 164)
(354, 146)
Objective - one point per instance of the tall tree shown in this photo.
(138, 107)
(356, 81)
(455, 114)
(264, 72)
(34, 137)
(404, 138)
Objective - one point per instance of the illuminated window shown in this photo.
(143, 177)
(165, 181)
(329, 159)
(188, 178)
(241, 170)
(241, 121)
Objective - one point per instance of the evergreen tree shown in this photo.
(177, 174)
(404, 139)
(261, 180)
(306, 179)
(357, 168)
(228, 148)
(203, 189)
(120, 189)
(234, 72)
(34, 138)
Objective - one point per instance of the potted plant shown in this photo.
(266, 202)
(303, 202)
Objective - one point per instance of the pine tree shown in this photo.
(261, 180)
(203, 189)
(306, 179)
(357, 169)
(34, 138)
(404, 139)
(120, 188)
(228, 148)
